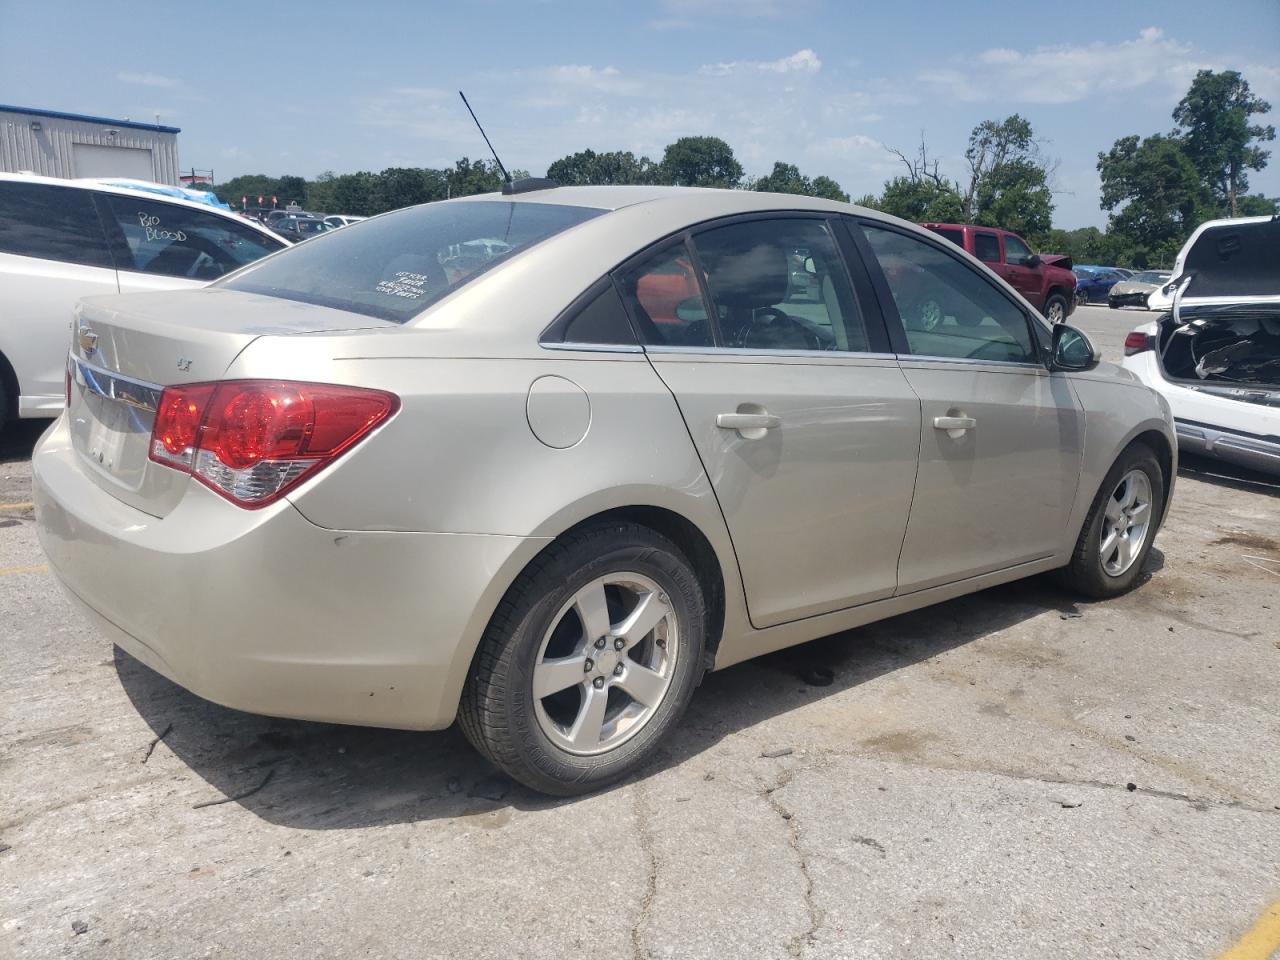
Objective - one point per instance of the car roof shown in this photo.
(618, 197)
(107, 186)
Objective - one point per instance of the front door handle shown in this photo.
(955, 426)
(750, 426)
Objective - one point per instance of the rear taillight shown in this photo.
(254, 440)
(1137, 342)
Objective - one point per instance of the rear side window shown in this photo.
(780, 284)
(946, 233)
(986, 247)
(597, 317)
(176, 241)
(52, 223)
(665, 299)
(395, 266)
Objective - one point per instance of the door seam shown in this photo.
(684, 420)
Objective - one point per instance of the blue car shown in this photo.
(1093, 283)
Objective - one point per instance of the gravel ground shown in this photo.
(1011, 774)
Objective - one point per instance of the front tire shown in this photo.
(589, 661)
(1119, 530)
(1112, 303)
(1055, 309)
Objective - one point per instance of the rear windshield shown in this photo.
(395, 266)
(955, 236)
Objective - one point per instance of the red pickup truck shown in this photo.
(1045, 279)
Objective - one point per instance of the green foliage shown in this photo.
(617, 167)
(1015, 196)
(994, 147)
(787, 178)
(1154, 194)
(1215, 134)
(1256, 205)
(700, 162)
(921, 201)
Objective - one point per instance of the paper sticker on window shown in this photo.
(411, 286)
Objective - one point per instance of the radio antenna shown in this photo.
(505, 176)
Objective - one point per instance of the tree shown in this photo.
(1153, 194)
(1216, 135)
(1256, 205)
(468, 178)
(700, 162)
(787, 178)
(1008, 177)
(921, 201)
(588, 167)
(405, 186)
(1015, 196)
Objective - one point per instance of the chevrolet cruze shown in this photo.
(537, 461)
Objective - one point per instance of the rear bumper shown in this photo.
(1246, 450)
(266, 612)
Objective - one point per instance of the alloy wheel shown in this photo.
(1126, 523)
(1057, 313)
(606, 663)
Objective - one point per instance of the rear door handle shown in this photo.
(955, 426)
(750, 426)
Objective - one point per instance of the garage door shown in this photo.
(95, 160)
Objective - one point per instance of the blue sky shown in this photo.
(305, 87)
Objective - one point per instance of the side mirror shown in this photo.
(1032, 261)
(1072, 351)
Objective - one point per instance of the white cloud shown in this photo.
(734, 8)
(1065, 73)
(148, 80)
(801, 62)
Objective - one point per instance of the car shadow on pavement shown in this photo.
(1225, 474)
(319, 776)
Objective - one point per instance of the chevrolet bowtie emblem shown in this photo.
(88, 340)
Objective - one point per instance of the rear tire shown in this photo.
(562, 696)
(1119, 531)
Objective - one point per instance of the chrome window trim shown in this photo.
(116, 386)
(926, 358)
(759, 352)
(594, 347)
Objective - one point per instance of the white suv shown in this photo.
(61, 240)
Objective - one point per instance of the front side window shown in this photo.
(986, 247)
(400, 263)
(780, 284)
(947, 308)
(52, 223)
(177, 241)
(665, 300)
(1015, 251)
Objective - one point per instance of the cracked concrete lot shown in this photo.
(1010, 774)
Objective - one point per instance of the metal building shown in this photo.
(57, 144)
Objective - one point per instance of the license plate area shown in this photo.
(111, 420)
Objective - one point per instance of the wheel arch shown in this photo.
(1159, 444)
(708, 551)
(8, 389)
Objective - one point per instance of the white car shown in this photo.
(342, 220)
(61, 240)
(1216, 355)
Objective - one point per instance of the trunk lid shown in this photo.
(1229, 261)
(126, 349)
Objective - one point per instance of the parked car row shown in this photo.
(1093, 283)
